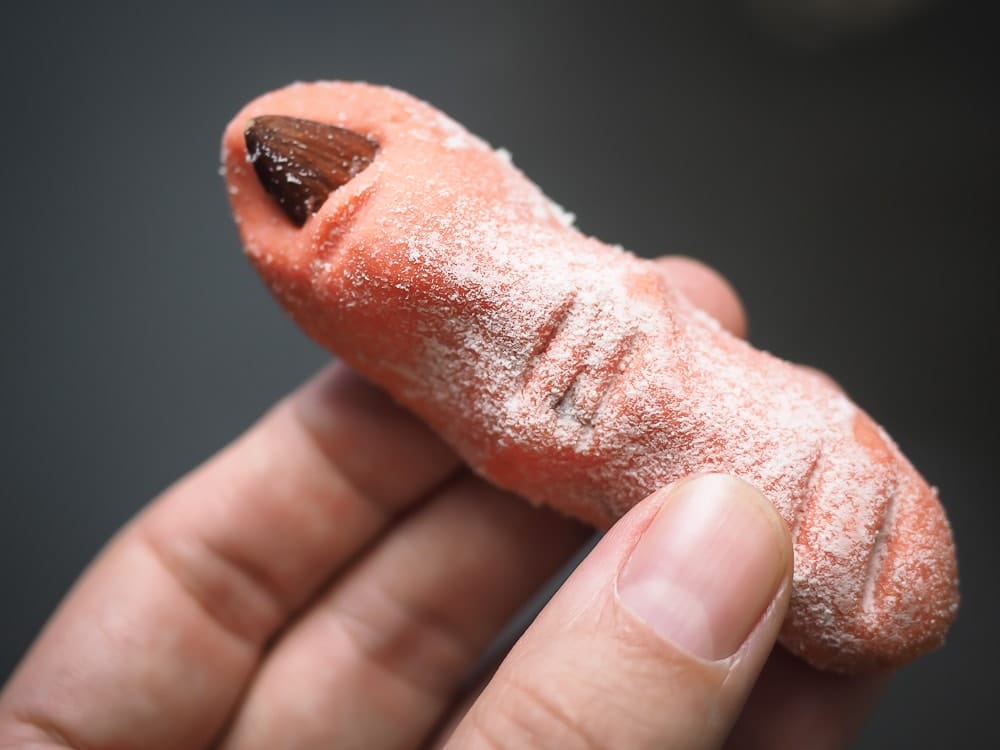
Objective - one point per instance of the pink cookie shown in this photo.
(573, 373)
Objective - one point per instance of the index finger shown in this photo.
(153, 646)
(707, 290)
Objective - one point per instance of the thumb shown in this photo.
(657, 637)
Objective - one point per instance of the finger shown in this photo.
(154, 645)
(656, 639)
(820, 377)
(376, 660)
(477, 681)
(707, 290)
(794, 705)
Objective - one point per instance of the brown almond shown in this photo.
(300, 162)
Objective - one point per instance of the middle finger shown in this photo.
(380, 656)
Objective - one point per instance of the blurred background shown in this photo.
(837, 161)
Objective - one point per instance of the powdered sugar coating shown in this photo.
(573, 373)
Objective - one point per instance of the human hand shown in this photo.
(331, 578)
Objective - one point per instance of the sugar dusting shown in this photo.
(574, 374)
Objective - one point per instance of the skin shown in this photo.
(293, 592)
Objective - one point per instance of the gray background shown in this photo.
(847, 184)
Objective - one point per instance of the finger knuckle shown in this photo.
(526, 715)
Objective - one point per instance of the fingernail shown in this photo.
(707, 567)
